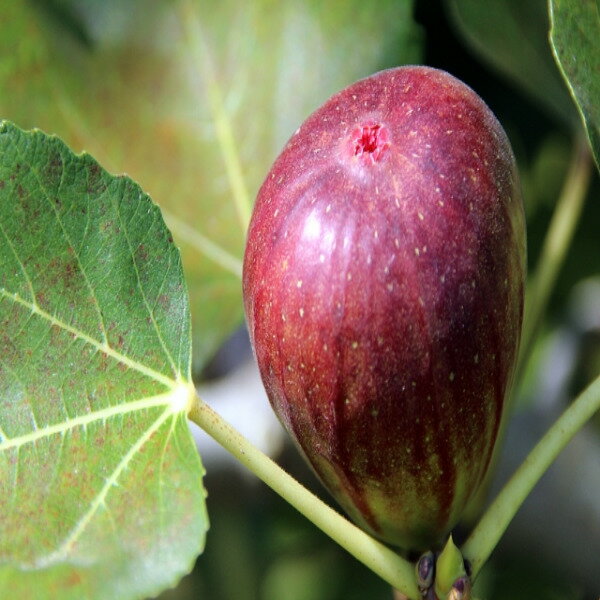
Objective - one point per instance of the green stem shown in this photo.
(556, 244)
(391, 567)
(494, 522)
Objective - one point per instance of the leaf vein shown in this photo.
(84, 420)
(100, 500)
(204, 245)
(19, 261)
(102, 347)
(46, 194)
(143, 293)
(221, 121)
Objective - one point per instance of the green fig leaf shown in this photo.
(101, 491)
(575, 37)
(512, 37)
(193, 100)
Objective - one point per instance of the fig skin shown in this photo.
(383, 287)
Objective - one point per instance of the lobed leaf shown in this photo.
(194, 100)
(100, 480)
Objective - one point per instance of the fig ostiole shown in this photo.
(383, 288)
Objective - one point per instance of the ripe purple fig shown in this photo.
(383, 288)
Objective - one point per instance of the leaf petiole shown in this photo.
(494, 522)
(391, 567)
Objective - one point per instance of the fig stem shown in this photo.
(201, 61)
(391, 567)
(494, 522)
(556, 244)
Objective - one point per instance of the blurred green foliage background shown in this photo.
(195, 99)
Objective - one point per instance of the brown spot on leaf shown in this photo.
(74, 579)
(40, 299)
(53, 169)
(106, 226)
(62, 272)
(164, 302)
(96, 184)
(141, 254)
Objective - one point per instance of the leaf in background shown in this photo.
(100, 481)
(194, 100)
(543, 178)
(513, 38)
(575, 38)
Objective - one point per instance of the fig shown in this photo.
(383, 288)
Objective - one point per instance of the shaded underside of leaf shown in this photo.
(193, 100)
(513, 38)
(100, 481)
(575, 37)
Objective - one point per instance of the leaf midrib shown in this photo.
(103, 347)
(99, 500)
(164, 399)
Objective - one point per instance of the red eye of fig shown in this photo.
(370, 141)
(383, 288)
